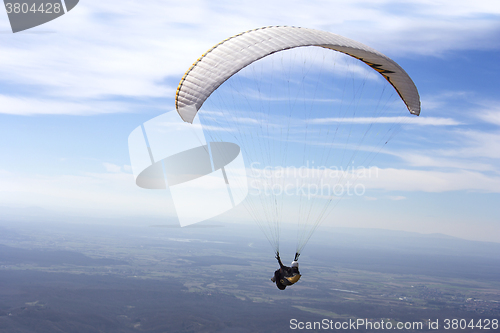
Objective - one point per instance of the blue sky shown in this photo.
(72, 90)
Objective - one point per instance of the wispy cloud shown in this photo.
(28, 106)
(110, 167)
(431, 181)
(265, 96)
(432, 121)
(476, 144)
(443, 98)
(397, 197)
(435, 159)
(491, 116)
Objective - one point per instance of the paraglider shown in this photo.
(327, 130)
(286, 276)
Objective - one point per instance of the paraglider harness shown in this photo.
(286, 276)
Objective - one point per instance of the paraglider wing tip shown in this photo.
(414, 107)
(187, 112)
(415, 112)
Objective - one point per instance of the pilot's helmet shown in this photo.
(295, 264)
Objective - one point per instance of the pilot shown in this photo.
(286, 276)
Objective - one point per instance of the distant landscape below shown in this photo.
(215, 277)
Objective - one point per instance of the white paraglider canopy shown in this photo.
(230, 56)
